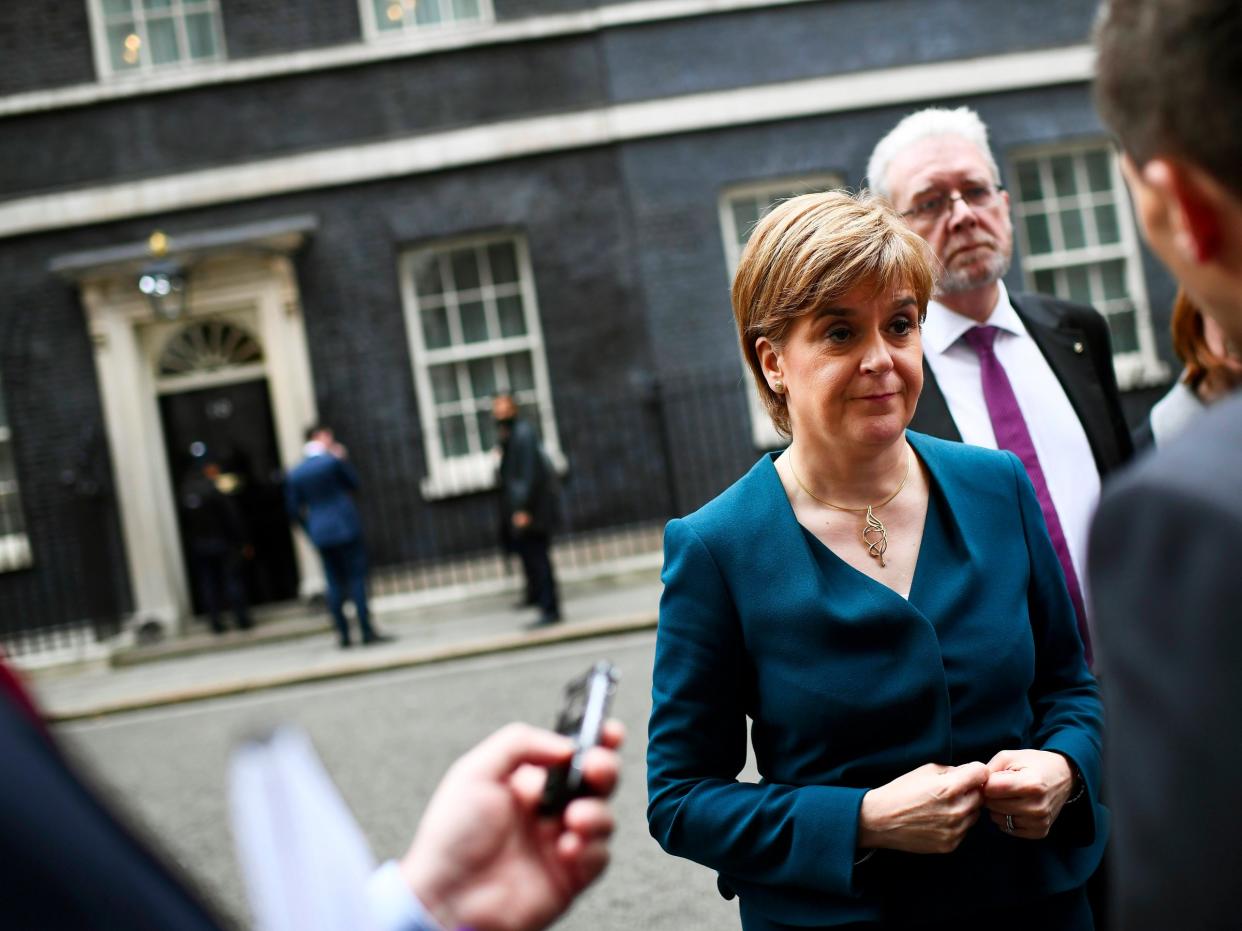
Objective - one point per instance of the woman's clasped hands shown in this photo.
(930, 809)
(1026, 791)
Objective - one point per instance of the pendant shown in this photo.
(875, 536)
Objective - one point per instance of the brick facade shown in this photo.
(625, 241)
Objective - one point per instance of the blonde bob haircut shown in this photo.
(811, 251)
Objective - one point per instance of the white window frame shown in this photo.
(763, 434)
(1134, 369)
(459, 475)
(371, 31)
(14, 546)
(103, 54)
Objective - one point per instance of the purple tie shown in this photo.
(1011, 433)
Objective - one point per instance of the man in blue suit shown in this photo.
(319, 495)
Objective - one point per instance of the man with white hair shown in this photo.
(1023, 372)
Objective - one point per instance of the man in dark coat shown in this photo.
(1025, 372)
(319, 495)
(1165, 543)
(217, 542)
(529, 504)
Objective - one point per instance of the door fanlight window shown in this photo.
(208, 346)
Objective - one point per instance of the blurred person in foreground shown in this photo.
(481, 857)
(1165, 542)
(529, 505)
(1026, 372)
(888, 610)
(1213, 369)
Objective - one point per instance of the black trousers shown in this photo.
(219, 576)
(345, 566)
(1067, 911)
(532, 549)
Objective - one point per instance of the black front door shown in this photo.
(232, 426)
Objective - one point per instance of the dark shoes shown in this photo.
(546, 620)
(369, 640)
(219, 629)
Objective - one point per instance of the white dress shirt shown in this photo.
(1060, 440)
(394, 905)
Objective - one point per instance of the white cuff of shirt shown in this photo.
(394, 906)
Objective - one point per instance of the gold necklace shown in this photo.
(874, 533)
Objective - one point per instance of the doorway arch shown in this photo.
(244, 324)
(215, 406)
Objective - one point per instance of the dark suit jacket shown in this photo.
(1164, 571)
(67, 863)
(211, 521)
(849, 685)
(1075, 341)
(527, 480)
(319, 496)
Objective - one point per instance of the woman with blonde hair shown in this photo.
(887, 610)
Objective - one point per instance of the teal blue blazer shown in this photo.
(849, 685)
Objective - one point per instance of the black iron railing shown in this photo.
(632, 459)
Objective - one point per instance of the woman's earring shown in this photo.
(778, 387)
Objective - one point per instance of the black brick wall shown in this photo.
(267, 27)
(225, 124)
(61, 455)
(232, 123)
(675, 185)
(44, 45)
(626, 246)
(810, 40)
(572, 212)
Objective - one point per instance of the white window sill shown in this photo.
(14, 552)
(1135, 372)
(197, 70)
(468, 476)
(416, 38)
(454, 478)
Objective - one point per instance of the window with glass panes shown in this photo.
(14, 547)
(1079, 243)
(141, 35)
(741, 208)
(394, 17)
(474, 331)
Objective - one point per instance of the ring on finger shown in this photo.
(1009, 824)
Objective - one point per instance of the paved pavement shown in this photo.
(300, 649)
(386, 740)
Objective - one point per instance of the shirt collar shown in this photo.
(944, 327)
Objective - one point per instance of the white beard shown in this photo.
(970, 279)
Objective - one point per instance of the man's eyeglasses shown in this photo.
(931, 206)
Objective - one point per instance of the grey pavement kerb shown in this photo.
(304, 650)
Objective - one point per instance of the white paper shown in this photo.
(302, 854)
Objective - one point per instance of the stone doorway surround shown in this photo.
(244, 274)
